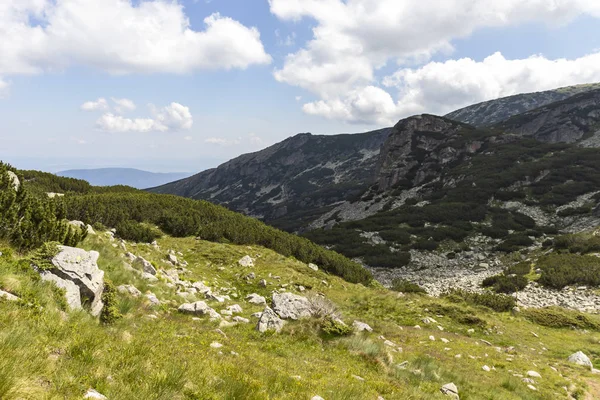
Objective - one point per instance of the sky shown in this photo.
(183, 85)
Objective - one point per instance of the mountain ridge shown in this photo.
(133, 177)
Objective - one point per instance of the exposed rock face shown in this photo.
(291, 306)
(419, 146)
(269, 321)
(301, 173)
(566, 121)
(494, 111)
(76, 271)
(14, 179)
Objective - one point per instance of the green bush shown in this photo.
(497, 302)
(42, 257)
(110, 312)
(555, 317)
(137, 232)
(404, 286)
(334, 327)
(427, 245)
(560, 270)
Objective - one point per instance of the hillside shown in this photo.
(289, 182)
(495, 111)
(153, 351)
(123, 176)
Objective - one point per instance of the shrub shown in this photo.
(321, 307)
(42, 257)
(335, 327)
(555, 317)
(110, 312)
(560, 270)
(404, 286)
(427, 245)
(497, 302)
(137, 232)
(459, 314)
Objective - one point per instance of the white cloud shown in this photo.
(255, 139)
(120, 36)
(100, 104)
(443, 87)
(174, 117)
(223, 141)
(354, 39)
(4, 88)
(123, 105)
(188, 138)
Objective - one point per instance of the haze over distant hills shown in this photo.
(123, 176)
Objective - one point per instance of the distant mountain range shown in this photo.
(123, 176)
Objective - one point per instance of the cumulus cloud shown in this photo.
(4, 88)
(441, 87)
(100, 104)
(354, 39)
(123, 105)
(148, 36)
(223, 141)
(174, 117)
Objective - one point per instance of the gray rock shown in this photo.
(149, 277)
(198, 308)
(76, 271)
(256, 299)
(78, 224)
(450, 390)
(8, 296)
(236, 309)
(241, 320)
(130, 256)
(153, 299)
(317, 398)
(262, 283)
(269, 321)
(580, 358)
(291, 306)
(93, 394)
(246, 261)
(14, 180)
(361, 327)
(129, 289)
(173, 259)
(90, 230)
(144, 265)
(201, 287)
(312, 266)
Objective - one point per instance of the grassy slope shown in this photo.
(51, 354)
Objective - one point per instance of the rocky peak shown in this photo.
(419, 146)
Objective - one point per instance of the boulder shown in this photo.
(256, 299)
(78, 224)
(291, 306)
(201, 287)
(8, 296)
(246, 261)
(450, 390)
(14, 180)
(129, 289)
(236, 309)
(151, 297)
(76, 271)
(312, 266)
(533, 374)
(90, 230)
(361, 327)
(580, 358)
(130, 256)
(172, 258)
(144, 265)
(198, 308)
(269, 321)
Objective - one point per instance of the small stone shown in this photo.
(531, 387)
(486, 368)
(361, 327)
(246, 261)
(216, 345)
(533, 374)
(312, 266)
(432, 338)
(262, 283)
(450, 390)
(93, 394)
(241, 320)
(256, 299)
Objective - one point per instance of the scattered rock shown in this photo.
(533, 374)
(580, 358)
(149, 277)
(93, 394)
(450, 390)
(76, 271)
(8, 296)
(486, 368)
(241, 320)
(144, 265)
(172, 258)
(198, 308)
(269, 321)
(317, 398)
(256, 299)
(153, 299)
(129, 289)
(361, 327)
(246, 261)
(216, 345)
(291, 306)
(235, 309)
(312, 266)
(262, 283)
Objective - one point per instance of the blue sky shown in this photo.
(218, 89)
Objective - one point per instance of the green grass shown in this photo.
(48, 353)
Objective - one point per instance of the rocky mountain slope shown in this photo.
(292, 180)
(494, 111)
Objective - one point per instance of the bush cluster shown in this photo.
(560, 270)
(137, 232)
(555, 317)
(404, 286)
(497, 302)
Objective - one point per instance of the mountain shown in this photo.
(122, 176)
(281, 183)
(494, 111)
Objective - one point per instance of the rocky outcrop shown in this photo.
(494, 111)
(269, 321)
(419, 147)
(76, 271)
(291, 306)
(580, 358)
(14, 180)
(567, 121)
